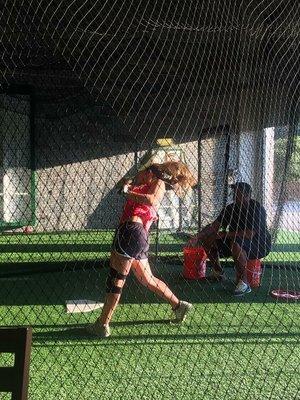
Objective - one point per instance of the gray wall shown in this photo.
(82, 150)
(78, 166)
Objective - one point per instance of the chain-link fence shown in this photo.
(92, 93)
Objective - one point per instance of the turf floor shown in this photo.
(94, 245)
(227, 349)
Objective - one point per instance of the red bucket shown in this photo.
(254, 273)
(194, 266)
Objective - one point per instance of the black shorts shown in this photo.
(254, 249)
(131, 240)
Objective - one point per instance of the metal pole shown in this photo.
(32, 158)
(198, 186)
(226, 165)
(156, 240)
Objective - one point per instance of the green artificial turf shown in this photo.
(94, 245)
(227, 349)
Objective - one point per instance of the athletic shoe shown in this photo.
(242, 288)
(182, 310)
(98, 329)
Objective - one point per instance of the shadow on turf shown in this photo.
(78, 333)
(55, 288)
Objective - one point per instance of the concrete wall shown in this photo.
(77, 172)
(82, 152)
(78, 166)
(76, 180)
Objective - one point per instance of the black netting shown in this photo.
(91, 93)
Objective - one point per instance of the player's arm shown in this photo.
(244, 234)
(208, 231)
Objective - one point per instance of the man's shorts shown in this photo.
(254, 249)
(131, 240)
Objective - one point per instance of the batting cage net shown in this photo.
(92, 95)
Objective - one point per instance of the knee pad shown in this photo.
(114, 275)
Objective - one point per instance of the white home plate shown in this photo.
(81, 306)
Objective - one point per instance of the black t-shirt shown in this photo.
(239, 217)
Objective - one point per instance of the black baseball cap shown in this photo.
(243, 187)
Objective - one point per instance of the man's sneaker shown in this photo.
(217, 276)
(181, 311)
(242, 288)
(98, 329)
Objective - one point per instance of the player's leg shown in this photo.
(142, 271)
(214, 249)
(144, 275)
(239, 254)
(240, 259)
(130, 240)
(118, 271)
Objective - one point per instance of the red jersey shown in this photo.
(146, 212)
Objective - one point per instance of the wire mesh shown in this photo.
(90, 94)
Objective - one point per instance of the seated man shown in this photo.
(239, 231)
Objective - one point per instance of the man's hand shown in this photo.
(208, 234)
(199, 238)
